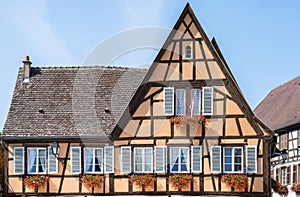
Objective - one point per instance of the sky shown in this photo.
(259, 39)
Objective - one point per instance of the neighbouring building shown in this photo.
(185, 115)
(280, 110)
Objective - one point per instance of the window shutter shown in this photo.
(109, 159)
(197, 159)
(52, 162)
(75, 160)
(125, 159)
(215, 159)
(251, 160)
(169, 101)
(207, 104)
(160, 159)
(18, 160)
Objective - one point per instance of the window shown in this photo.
(125, 159)
(160, 159)
(188, 52)
(180, 102)
(18, 160)
(93, 160)
(233, 160)
(215, 161)
(75, 160)
(196, 158)
(283, 176)
(36, 160)
(142, 160)
(207, 101)
(179, 157)
(195, 101)
(169, 101)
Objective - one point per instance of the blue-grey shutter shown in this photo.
(197, 159)
(52, 162)
(160, 159)
(169, 101)
(18, 160)
(207, 101)
(251, 159)
(215, 159)
(75, 160)
(125, 159)
(109, 159)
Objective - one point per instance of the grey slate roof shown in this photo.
(70, 101)
(281, 107)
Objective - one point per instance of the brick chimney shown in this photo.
(26, 65)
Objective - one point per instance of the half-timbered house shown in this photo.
(280, 111)
(185, 115)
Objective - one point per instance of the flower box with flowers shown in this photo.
(92, 181)
(36, 182)
(181, 181)
(275, 186)
(143, 181)
(238, 181)
(283, 190)
(191, 120)
(296, 188)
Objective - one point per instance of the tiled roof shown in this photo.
(70, 101)
(281, 107)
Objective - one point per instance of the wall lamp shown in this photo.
(55, 151)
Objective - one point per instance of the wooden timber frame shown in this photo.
(144, 124)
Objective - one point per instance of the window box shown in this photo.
(181, 181)
(238, 181)
(143, 181)
(92, 181)
(283, 190)
(36, 181)
(184, 120)
(296, 188)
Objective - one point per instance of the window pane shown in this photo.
(195, 102)
(98, 160)
(180, 102)
(228, 160)
(42, 160)
(174, 159)
(32, 157)
(88, 160)
(188, 52)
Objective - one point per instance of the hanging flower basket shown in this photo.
(275, 186)
(296, 188)
(180, 181)
(36, 181)
(283, 190)
(143, 181)
(92, 181)
(238, 181)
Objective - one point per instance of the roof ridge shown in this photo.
(83, 67)
(284, 84)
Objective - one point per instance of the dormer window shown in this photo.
(188, 52)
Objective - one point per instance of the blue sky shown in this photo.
(259, 39)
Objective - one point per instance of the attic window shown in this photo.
(188, 52)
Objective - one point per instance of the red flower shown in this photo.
(143, 181)
(92, 181)
(36, 181)
(237, 181)
(180, 181)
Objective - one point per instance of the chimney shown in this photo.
(26, 65)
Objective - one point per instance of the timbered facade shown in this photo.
(185, 115)
(284, 119)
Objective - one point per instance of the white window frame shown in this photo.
(172, 113)
(179, 160)
(23, 159)
(93, 149)
(105, 159)
(188, 53)
(50, 154)
(71, 157)
(232, 159)
(211, 100)
(143, 149)
(192, 159)
(129, 163)
(184, 102)
(192, 101)
(212, 162)
(37, 160)
(247, 160)
(284, 175)
(164, 159)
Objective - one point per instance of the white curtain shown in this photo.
(42, 160)
(88, 160)
(32, 160)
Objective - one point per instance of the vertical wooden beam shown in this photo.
(64, 168)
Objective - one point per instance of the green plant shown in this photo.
(296, 188)
(36, 181)
(92, 181)
(183, 120)
(143, 181)
(237, 181)
(275, 185)
(180, 181)
(283, 190)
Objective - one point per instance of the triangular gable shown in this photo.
(205, 66)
